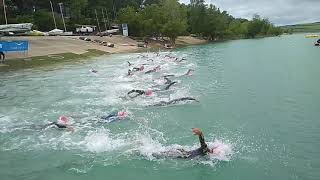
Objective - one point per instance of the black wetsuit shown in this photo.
(168, 81)
(138, 93)
(164, 103)
(202, 151)
(110, 118)
(181, 153)
(150, 71)
(129, 72)
(172, 83)
(62, 126)
(169, 75)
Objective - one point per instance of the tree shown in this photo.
(44, 20)
(130, 16)
(153, 20)
(76, 7)
(255, 26)
(156, 17)
(175, 19)
(197, 16)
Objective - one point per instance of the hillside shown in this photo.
(309, 27)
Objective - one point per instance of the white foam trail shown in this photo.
(101, 141)
(222, 151)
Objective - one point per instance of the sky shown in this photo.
(279, 12)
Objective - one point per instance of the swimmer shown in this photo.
(164, 103)
(155, 69)
(201, 151)
(143, 56)
(189, 73)
(182, 59)
(168, 56)
(168, 81)
(129, 64)
(130, 72)
(141, 68)
(139, 93)
(169, 75)
(115, 116)
(62, 123)
(93, 70)
(172, 83)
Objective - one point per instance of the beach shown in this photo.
(55, 45)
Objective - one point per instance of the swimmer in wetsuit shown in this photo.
(137, 93)
(114, 116)
(201, 151)
(141, 68)
(181, 153)
(62, 123)
(182, 59)
(129, 72)
(153, 70)
(168, 86)
(168, 81)
(164, 103)
(189, 73)
(93, 70)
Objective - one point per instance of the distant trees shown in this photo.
(210, 22)
(156, 18)
(175, 19)
(167, 19)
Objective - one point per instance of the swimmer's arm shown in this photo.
(50, 123)
(132, 91)
(197, 131)
(172, 83)
(202, 141)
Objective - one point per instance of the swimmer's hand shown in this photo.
(196, 131)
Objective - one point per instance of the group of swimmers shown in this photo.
(62, 122)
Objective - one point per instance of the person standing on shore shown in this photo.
(2, 56)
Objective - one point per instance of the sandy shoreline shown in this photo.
(52, 45)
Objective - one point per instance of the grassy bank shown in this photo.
(37, 61)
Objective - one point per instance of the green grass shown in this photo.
(310, 27)
(55, 59)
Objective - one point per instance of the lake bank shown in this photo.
(45, 50)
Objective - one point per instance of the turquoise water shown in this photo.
(259, 102)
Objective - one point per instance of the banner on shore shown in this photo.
(11, 46)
